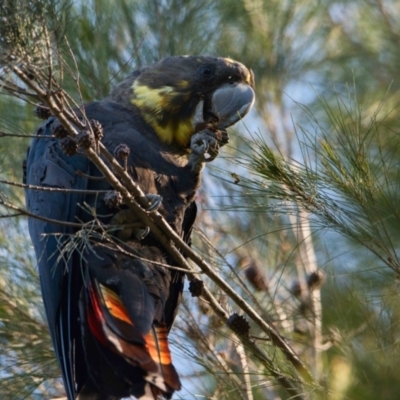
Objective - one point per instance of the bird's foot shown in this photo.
(204, 148)
(128, 226)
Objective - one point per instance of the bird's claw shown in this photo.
(204, 144)
(141, 233)
(221, 136)
(154, 200)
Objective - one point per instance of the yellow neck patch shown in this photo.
(161, 109)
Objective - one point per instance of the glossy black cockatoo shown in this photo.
(111, 304)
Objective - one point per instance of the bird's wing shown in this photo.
(49, 167)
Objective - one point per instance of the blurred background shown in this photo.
(300, 213)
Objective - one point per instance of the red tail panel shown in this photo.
(151, 353)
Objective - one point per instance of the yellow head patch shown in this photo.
(160, 107)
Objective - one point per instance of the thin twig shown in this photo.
(94, 178)
(21, 135)
(52, 189)
(49, 220)
(245, 367)
(308, 258)
(11, 215)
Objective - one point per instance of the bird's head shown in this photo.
(179, 95)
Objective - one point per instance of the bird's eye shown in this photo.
(206, 71)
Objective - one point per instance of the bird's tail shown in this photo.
(139, 359)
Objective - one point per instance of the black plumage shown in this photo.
(111, 305)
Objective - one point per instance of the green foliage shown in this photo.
(27, 362)
(345, 180)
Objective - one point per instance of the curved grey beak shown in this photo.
(230, 103)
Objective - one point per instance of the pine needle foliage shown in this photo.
(347, 182)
